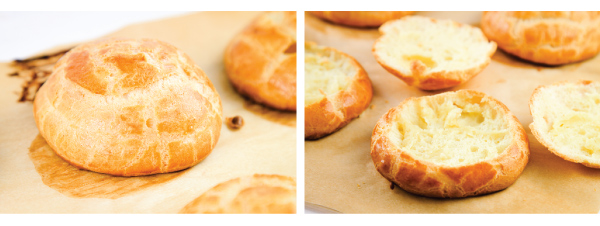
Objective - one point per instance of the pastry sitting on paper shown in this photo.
(129, 107)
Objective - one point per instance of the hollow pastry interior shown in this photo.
(327, 72)
(569, 115)
(451, 131)
(440, 45)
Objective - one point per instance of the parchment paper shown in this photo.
(340, 174)
(36, 181)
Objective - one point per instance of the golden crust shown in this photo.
(360, 18)
(418, 75)
(551, 38)
(436, 80)
(335, 111)
(252, 194)
(426, 178)
(261, 60)
(542, 137)
(129, 107)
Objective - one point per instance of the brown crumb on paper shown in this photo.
(392, 186)
(34, 71)
(234, 123)
(372, 106)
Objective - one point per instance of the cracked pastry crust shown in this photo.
(261, 61)
(450, 145)
(258, 193)
(129, 107)
(337, 90)
(360, 18)
(551, 38)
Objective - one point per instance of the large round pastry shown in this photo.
(129, 107)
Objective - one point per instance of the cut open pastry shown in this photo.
(337, 90)
(360, 18)
(454, 144)
(566, 119)
(551, 38)
(261, 60)
(251, 194)
(432, 54)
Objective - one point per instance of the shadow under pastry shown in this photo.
(71, 181)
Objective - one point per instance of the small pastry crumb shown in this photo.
(235, 122)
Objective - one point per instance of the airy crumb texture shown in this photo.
(451, 132)
(453, 144)
(129, 107)
(360, 18)
(551, 38)
(566, 119)
(261, 60)
(432, 54)
(327, 72)
(337, 89)
(252, 194)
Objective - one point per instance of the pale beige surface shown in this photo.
(266, 144)
(340, 174)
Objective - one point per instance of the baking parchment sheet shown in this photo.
(339, 172)
(35, 180)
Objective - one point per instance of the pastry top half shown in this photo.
(432, 54)
(258, 193)
(129, 107)
(261, 60)
(551, 38)
(454, 144)
(566, 119)
(360, 18)
(337, 89)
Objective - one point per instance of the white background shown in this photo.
(23, 34)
